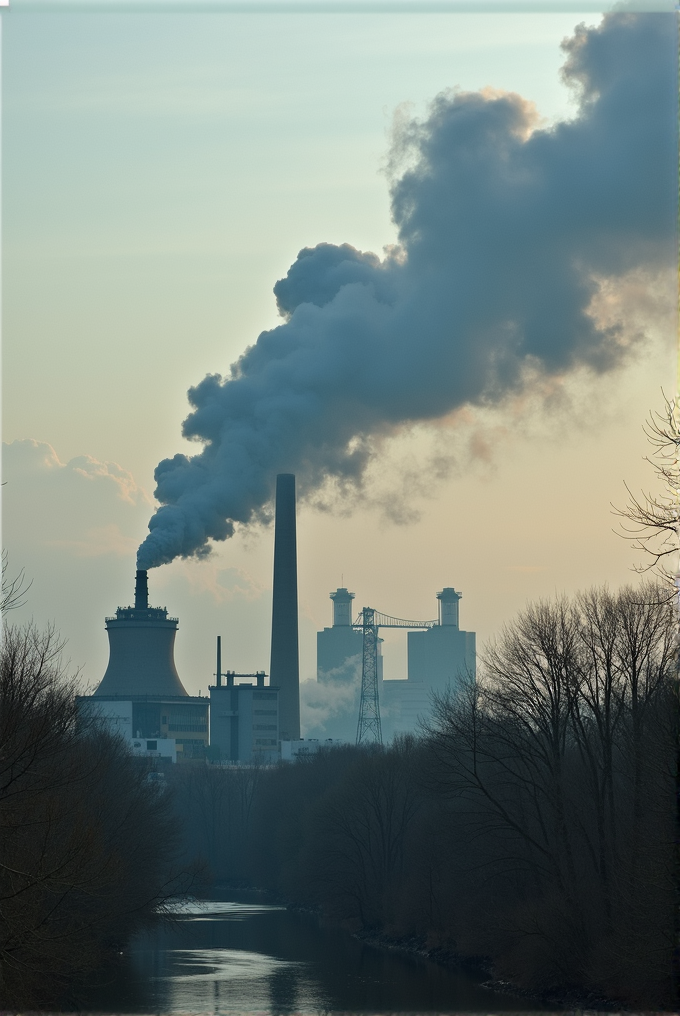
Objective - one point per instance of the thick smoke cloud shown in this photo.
(506, 229)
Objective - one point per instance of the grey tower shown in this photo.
(285, 667)
(141, 650)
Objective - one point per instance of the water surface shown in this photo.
(244, 955)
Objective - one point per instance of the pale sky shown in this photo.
(161, 172)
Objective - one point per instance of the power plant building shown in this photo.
(339, 649)
(141, 696)
(244, 720)
(442, 656)
(440, 659)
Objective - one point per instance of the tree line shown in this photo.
(531, 823)
(88, 844)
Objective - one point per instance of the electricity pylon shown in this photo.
(369, 729)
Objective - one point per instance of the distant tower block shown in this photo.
(285, 666)
(444, 657)
(448, 606)
(339, 649)
(141, 649)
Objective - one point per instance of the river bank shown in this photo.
(578, 999)
(480, 968)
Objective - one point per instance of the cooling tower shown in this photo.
(285, 668)
(141, 649)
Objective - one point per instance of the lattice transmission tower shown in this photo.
(369, 728)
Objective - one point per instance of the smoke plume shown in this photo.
(506, 231)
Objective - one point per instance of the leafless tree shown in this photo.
(14, 589)
(359, 858)
(652, 521)
(560, 753)
(87, 842)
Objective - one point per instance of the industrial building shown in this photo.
(440, 659)
(141, 696)
(441, 656)
(339, 649)
(248, 721)
(244, 718)
(142, 699)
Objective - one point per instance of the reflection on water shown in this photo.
(244, 956)
(202, 978)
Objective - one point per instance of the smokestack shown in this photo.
(285, 668)
(218, 675)
(141, 590)
(448, 606)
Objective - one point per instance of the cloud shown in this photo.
(99, 541)
(513, 237)
(85, 507)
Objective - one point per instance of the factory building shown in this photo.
(244, 719)
(339, 649)
(141, 696)
(440, 659)
(441, 656)
(142, 699)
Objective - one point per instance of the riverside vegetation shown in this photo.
(531, 824)
(88, 844)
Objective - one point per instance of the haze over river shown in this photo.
(242, 955)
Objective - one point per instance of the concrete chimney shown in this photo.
(285, 667)
(141, 590)
(141, 649)
(448, 606)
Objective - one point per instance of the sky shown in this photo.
(160, 173)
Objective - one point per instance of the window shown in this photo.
(152, 745)
(264, 726)
(265, 712)
(146, 719)
(269, 696)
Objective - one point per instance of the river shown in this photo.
(242, 954)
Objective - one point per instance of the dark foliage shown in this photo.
(87, 840)
(531, 823)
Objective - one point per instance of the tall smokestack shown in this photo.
(141, 590)
(285, 667)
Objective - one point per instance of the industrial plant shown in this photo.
(248, 720)
(141, 695)
(440, 658)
